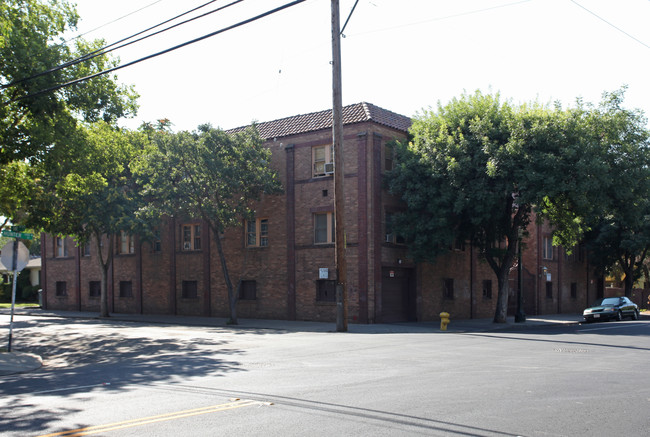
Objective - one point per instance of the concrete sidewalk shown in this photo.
(19, 362)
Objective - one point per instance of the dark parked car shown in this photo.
(611, 308)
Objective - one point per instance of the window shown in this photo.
(458, 246)
(574, 290)
(324, 228)
(126, 289)
(192, 237)
(388, 157)
(248, 290)
(322, 155)
(391, 235)
(547, 248)
(94, 289)
(487, 289)
(549, 290)
(448, 288)
(156, 242)
(190, 290)
(61, 288)
(61, 247)
(127, 244)
(257, 233)
(326, 290)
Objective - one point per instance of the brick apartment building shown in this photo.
(285, 256)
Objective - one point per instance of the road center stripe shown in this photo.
(153, 419)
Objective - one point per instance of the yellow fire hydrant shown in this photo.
(444, 321)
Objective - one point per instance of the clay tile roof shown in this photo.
(357, 113)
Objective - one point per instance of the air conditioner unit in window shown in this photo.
(187, 245)
(329, 168)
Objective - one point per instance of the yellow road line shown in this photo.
(152, 419)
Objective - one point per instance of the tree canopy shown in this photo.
(90, 192)
(212, 175)
(478, 168)
(34, 124)
(619, 228)
(32, 43)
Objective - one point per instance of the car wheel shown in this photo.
(619, 316)
(635, 315)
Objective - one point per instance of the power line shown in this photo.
(612, 25)
(349, 16)
(111, 22)
(119, 67)
(103, 50)
(462, 14)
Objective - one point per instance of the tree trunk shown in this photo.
(629, 281)
(232, 297)
(104, 267)
(502, 271)
(501, 312)
(103, 305)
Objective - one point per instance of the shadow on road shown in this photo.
(77, 362)
(76, 357)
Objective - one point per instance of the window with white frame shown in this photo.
(547, 248)
(257, 232)
(191, 237)
(322, 160)
(61, 247)
(126, 244)
(324, 228)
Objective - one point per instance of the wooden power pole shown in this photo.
(339, 196)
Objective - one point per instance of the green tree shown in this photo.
(91, 193)
(619, 238)
(18, 183)
(33, 125)
(32, 43)
(212, 175)
(477, 168)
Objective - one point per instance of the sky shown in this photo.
(401, 55)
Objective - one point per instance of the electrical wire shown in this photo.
(611, 24)
(103, 50)
(111, 22)
(462, 14)
(349, 16)
(137, 61)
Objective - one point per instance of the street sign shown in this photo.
(7, 256)
(18, 228)
(21, 235)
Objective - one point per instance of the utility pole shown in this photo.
(339, 196)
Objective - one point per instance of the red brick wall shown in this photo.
(286, 274)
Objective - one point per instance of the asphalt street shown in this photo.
(108, 377)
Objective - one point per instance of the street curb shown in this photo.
(19, 362)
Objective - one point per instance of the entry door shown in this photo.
(397, 297)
